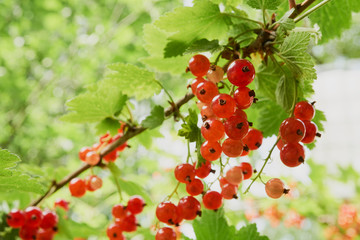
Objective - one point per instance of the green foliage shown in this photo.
(203, 45)
(264, 4)
(285, 92)
(249, 232)
(108, 125)
(189, 129)
(155, 119)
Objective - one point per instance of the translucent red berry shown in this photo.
(83, 151)
(199, 65)
(92, 158)
(241, 113)
(111, 157)
(33, 216)
(184, 172)
(45, 234)
(304, 111)
(212, 200)
(93, 183)
(189, 207)
(236, 127)
(207, 112)
(195, 187)
(311, 132)
(234, 175)
(228, 191)
(127, 223)
(275, 188)
(223, 181)
(165, 233)
(292, 154)
(166, 212)
(232, 147)
(28, 232)
(253, 139)
(204, 170)
(62, 203)
(119, 211)
(206, 91)
(280, 144)
(245, 152)
(292, 130)
(215, 74)
(244, 97)
(195, 83)
(77, 187)
(241, 72)
(136, 204)
(210, 151)
(16, 218)
(247, 170)
(212, 130)
(223, 105)
(114, 232)
(49, 220)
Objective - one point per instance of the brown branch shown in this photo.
(299, 8)
(292, 4)
(130, 133)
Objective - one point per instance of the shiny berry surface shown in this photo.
(244, 97)
(33, 216)
(241, 72)
(253, 139)
(16, 218)
(234, 175)
(189, 207)
(28, 232)
(114, 232)
(45, 234)
(184, 172)
(292, 154)
(232, 148)
(206, 91)
(212, 200)
(215, 74)
(203, 170)
(223, 105)
(93, 183)
(207, 112)
(195, 83)
(236, 127)
(83, 151)
(136, 204)
(50, 220)
(92, 158)
(128, 223)
(77, 187)
(228, 191)
(311, 130)
(165, 233)
(212, 130)
(240, 113)
(111, 157)
(280, 144)
(275, 188)
(166, 212)
(119, 211)
(199, 65)
(62, 203)
(292, 130)
(304, 110)
(195, 187)
(247, 170)
(210, 151)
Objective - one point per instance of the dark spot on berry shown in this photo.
(222, 102)
(33, 217)
(299, 132)
(255, 100)
(55, 229)
(212, 150)
(246, 148)
(301, 159)
(245, 172)
(213, 67)
(8, 216)
(198, 213)
(212, 171)
(187, 69)
(239, 125)
(250, 124)
(235, 196)
(318, 134)
(188, 179)
(171, 222)
(202, 91)
(245, 69)
(286, 191)
(206, 125)
(313, 103)
(252, 93)
(138, 224)
(255, 171)
(114, 235)
(204, 118)
(258, 144)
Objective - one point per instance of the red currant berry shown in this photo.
(244, 97)
(304, 111)
(215, 74)
(28, 232)
(204, 170)
(292, 154)
(223, 105)
(178, 218)
(77, 187)
(93, 183)
(206, 91)
(136, 204)
(184, 172)
(114, 232)
(223, 181)
(166, 212)
(199, 65)
(33, 216)
(232, 148)
(245, 152)
(119, 211)
(207, 113)
(92, 158)
(105, 138)
(235, 175)
(195, 188)
(62, 203)
(292, 130)
(275, 188)
(189, 207)
(195, 83)
(50, 219)
(247, 170)
(128, 223)
(83, 152)
(236, 127)
(118, 136)
(45, 234)
(253, 139)
(210, 151)
(241, 72)
(280, 144)
(212, 200)
(240, 113)
(311, 132)
(228, 191)
(111, 157)
(165, 233)
(212, 130)
(16, 218)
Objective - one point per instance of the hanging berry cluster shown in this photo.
(34, 223)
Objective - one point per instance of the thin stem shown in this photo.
(243, 18)
(264, 19)
(118, 187)
(174, 191)
(188, 152)
(299, 8)
(221, 166)
(129, 111)
(311, 10)
(262, 168)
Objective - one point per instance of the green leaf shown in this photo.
(264, 4)
(132, 188)
(155, 119)
(203, 45)
(190, 130)
(319, 120)
(249, 232)
(285, 92)
(266, 80)
(108, 125)
(155, 39)
(131, 80)
(7, 161)
(187, 24)
(286, 23)
(7, 232)
(213, 226)
(334, 17)
(228, 3)
(97, 103)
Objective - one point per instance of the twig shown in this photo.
(301, 7)
(292, 4)
(311, 10)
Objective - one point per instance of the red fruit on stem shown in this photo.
(119, 211)
(236, 127)
(184, 172)
(49, 220)
(33, 216)
(128, 223)
(292, 130)
(241, 72)
(292, 154)
(206, 91)
(232, 148)
(136, 204)
(199, 65)
(204, 170)
(82, 153)
(311, 132)
(195, 188)
(212, 200)
(223, 105)
(195, 83)
(244, 97)
(247, 170)
(189, 207)
(28, 232)
(62, 203)
(212, 130)
(111, 157)
(253, 139)
(275, 188)
(228, 191)
(114, 232)
(210, 151)
(77, 187)
(207, 113)
(165, 233)
(280, 144)
(45, 234)
(234, 175)
(93, 183)
(166, 212)
(304, 110)
(16, 218)
(240, 113)
(92, 158)
(215, 74)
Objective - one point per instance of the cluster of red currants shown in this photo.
(125, 220)
(78, 186)
(33, 223)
